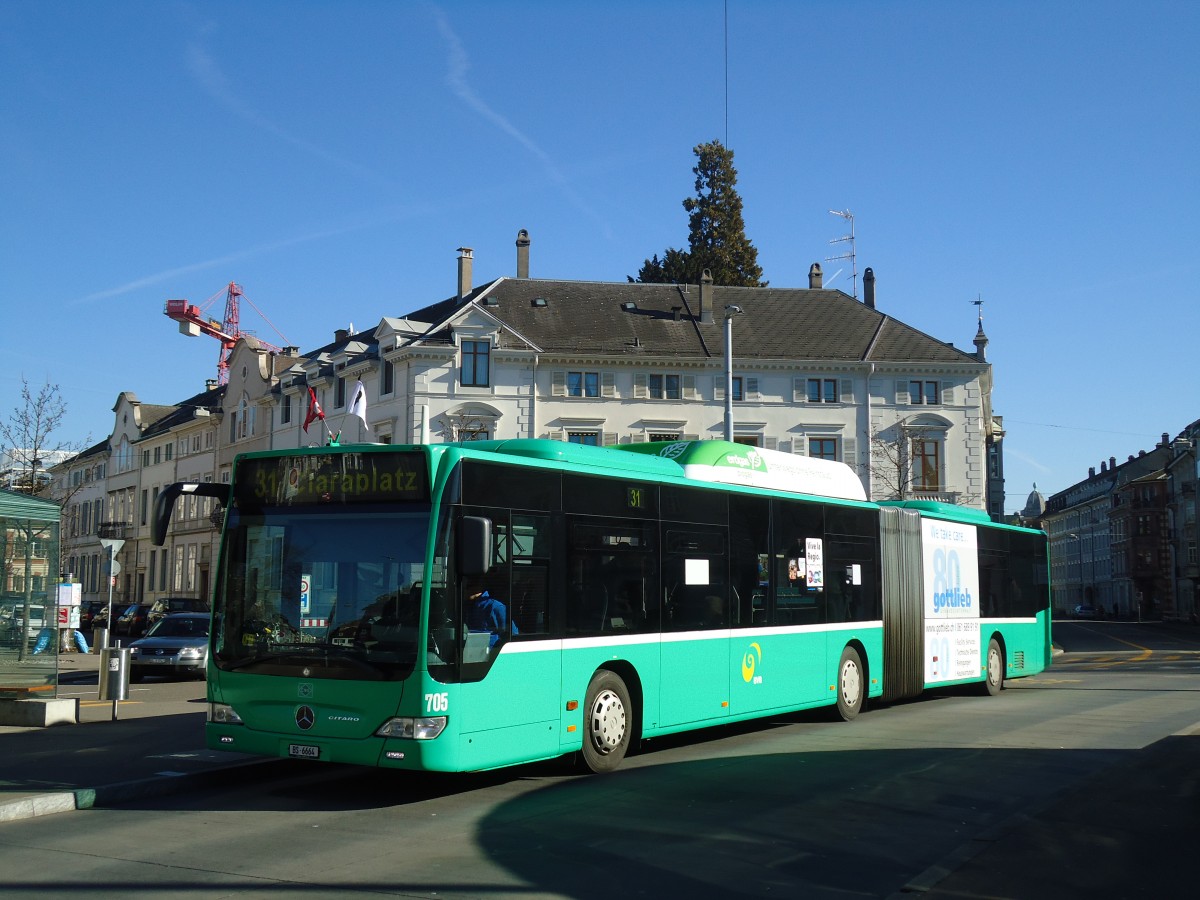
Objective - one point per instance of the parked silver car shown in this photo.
(175, 645)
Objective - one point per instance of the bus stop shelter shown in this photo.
(29, 550)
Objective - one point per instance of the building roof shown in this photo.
(660, 319)
(161, 419)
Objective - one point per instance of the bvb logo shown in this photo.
(750, 662)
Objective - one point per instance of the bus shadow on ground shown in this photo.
(810, 824)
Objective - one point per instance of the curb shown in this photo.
(28, 806)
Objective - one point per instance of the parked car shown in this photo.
(1085, 611)
(134, 621)
(167, 605)
(177, 644)
(93, 614)
(16, 620)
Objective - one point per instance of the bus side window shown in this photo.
(749, 559)
(530, 598)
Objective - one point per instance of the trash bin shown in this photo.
(114, 673)
(99, 639)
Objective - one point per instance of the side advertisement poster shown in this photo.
(951, 562)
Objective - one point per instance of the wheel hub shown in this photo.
(607, 722)
(851, 683)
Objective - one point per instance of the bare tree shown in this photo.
(459, 427)
(29, 453)
(890, 466)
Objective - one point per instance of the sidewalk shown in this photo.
(154, 747)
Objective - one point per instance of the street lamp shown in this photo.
(730, 312)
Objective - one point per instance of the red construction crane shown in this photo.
(192, 321)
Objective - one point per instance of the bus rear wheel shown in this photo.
(993, 681)
(851, 684)
(608, 722)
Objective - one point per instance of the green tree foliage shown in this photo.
(716, 231)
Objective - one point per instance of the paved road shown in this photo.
(1077, 783)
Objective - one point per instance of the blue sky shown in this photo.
(331, 157)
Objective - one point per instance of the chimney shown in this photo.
(1112, 462)
(869, 287)
(340, 334)
(465, 258)
(815, 278)
(1092, 472)
(522, 253)
(706, 298)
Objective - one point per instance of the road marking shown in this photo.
(105, 702)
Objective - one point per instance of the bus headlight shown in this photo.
(423, 729)
(223, 714)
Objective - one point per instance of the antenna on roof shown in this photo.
(848, 216)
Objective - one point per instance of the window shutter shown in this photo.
(850, 451)
(689, 437)
(557, 434)
(901, 393)
(799, 389)
(558, 384)
(608, 384)
(770, 442)
(640, 388)
(752, 389)
(719, 387)
(689, 388)
(637, 437)
(800, 446)
(946, 392)
(846, 390)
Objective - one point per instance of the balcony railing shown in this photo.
(114, 531)
(938, 496)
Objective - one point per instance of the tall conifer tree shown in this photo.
(716, 231)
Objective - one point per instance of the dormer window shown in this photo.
(475, 364)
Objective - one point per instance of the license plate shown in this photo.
(304, 751)
(159, 660)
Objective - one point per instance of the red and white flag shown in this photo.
(314, 410)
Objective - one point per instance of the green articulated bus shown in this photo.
(459, 607)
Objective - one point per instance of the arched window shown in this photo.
(241, 424)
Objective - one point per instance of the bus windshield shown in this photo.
(313, 591)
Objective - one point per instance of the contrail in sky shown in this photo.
(167, 274)
(456, 78)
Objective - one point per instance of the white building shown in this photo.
(814, 372)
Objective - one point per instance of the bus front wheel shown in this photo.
(851, 684)
(608, 722)
(993, 682)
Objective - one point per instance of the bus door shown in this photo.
(695, 624)
(509, 671)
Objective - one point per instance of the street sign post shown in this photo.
(113, 545)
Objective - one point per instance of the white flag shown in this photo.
(358, 407)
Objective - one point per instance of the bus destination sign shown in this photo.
(331, 478)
